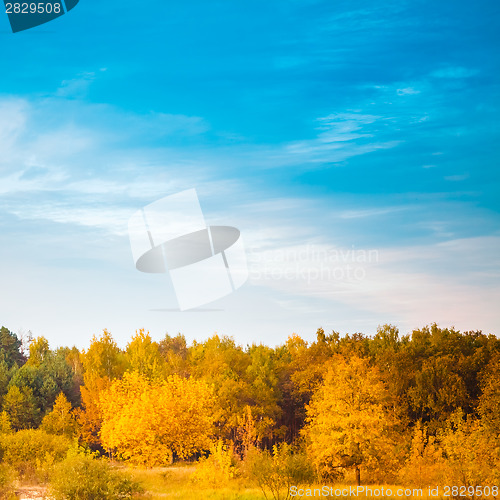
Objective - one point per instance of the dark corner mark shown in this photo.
(24, 15)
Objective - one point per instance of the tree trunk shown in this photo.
(358, 476)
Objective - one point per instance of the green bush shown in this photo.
(32, 453)
(82, 477)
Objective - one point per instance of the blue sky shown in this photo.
(316, 128)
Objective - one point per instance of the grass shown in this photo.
(175, 483)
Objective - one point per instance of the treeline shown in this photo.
(388, 404)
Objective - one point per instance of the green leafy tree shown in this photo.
(5, 376)
(20, 405)
(47, 374)
(432, 372)
(10, 348)
(438, 389)
(442, 367)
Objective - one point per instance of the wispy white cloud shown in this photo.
(77, 87)
(13, 117)
(452, 283)
(371, 212)
(113, 220)
(454, 72)
(79, 175)
(59, 158)
(338, 139)
(456, 178)
(407, 91)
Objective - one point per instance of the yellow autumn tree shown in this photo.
(61, 419)
(221, 363)
(143, 355)
(472, 452)
(489, 402)
(246, 433)
(147, 422)
(102, 363)
(5, 425)
(39, 350)
(347, 425)
(425, 463)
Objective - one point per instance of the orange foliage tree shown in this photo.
(102, 363)
(147, 421)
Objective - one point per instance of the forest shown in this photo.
(420, 409)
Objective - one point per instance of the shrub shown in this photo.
(216, 470)
(6, 481)
(83, 477)
(278, 471)
(32, 453)
(425, 463)
(464, 453)
(20, 405)
(472, 452)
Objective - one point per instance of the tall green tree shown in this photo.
(47, 377)
(10, 348)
